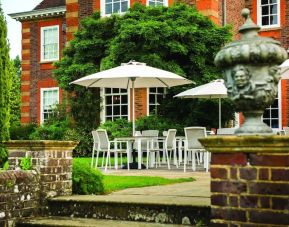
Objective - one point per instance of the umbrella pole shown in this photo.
(220, 113)
(133, 111)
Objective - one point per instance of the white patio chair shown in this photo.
(107, 146)
(152, 144)
(95, 149)
(193, 146)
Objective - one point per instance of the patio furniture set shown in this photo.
(166, 149)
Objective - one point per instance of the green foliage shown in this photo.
(117, 128)
(6, 165)
(5, 80)
(177, 39)
(26, 163)
(3, 155)
(15, 97)
(86, 180)
(158, 123)
(21, 132)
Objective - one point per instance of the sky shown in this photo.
(14, 27)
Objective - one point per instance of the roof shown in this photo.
(50, 4)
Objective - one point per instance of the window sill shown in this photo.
(48, 62)
(265, 29)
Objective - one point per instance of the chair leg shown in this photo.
(115, 160)
(107, 158)
(128, 158)
(194, 160)
(92, 157)
(96, 161)
(148, 157)
(185, 159)
(168, 160)
(103, 157)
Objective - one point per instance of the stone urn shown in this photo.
(251, 74)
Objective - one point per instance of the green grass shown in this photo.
(115, 183)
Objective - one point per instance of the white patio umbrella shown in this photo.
(214, 89)
(132, 75)
(285, 70)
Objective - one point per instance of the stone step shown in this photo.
(158, 209)
(83, 222)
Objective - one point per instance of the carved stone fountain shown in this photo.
(251, 73)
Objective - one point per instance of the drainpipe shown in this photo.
(224, 6)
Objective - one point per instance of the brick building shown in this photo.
(50, 25)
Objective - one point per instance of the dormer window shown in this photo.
(50, 43)
(269, 13)
(109, 7)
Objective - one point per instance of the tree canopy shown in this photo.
(177, 38)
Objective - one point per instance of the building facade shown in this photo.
(50, 25)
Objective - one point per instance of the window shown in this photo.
(155, 95)
(49, 99)
(269, 13)
(116, 103)
(114, 6)
(50, 43)
(157, 3)
(271, 115)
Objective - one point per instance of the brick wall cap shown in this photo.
(38, 145)
(246, 144)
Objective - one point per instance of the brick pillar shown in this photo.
(25, 77)
(249, 180)
(51, 159)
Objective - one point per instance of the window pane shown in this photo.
(274, 123)
(124, 110)
(153, 90)
(266, 114)
(108, 8)
(115, 90)
(265, 10)
(151, 98)
(116, 7)
(265, 20)
(116, 99)
(273, 19)
(274, 113)
(273, 1)
(273, 9)
(124, 6)
(264, 2)
(124, 99)
(275, 104)
(108, 90)
(108, 100)
(108, 110)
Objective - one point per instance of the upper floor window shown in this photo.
(114, 6)
(49, 99)
(50, 43)
(157, 3)
(269, 13)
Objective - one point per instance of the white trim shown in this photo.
(40, 13)
(102, 8)
(42, 42)
(280, 104)
(166, 3)
(259, 13)
(42, 90)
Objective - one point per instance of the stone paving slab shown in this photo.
(85, 222)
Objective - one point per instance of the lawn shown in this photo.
(115, 183)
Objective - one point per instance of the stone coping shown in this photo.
(246, 144)
(39, 145)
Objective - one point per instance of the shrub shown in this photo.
(3, 155)
(22, 132)
(117, 128)
(86, 180)
(158, 123)
(26, 163)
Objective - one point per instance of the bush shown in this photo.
(3, 155)
(117, 128)
(26, 163)
(158, 123)
(22, 132)
(86, 180)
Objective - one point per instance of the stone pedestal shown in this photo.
(249, 180)
(51, 159)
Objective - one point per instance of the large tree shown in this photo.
(5, 83)
(176, 38)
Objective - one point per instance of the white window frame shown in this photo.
(42, 90)
(279, 107)
(259, 15)
(42, 43)
(166, 2)
(102, 8)
(103, 110)
(148, 98)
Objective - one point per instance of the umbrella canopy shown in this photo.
(285, 70)
(132, 75)
(214, 89)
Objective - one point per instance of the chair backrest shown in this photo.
(103, 139)
(171, 138)
(226, 131)
(286, 130)
(95, 136)
(150, 133)
(165, 133)
(192, 135)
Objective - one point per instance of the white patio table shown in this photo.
(137, 140)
